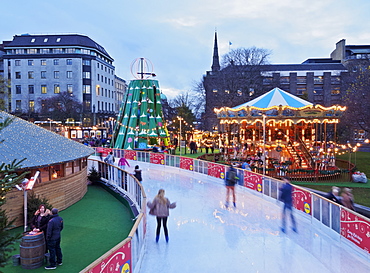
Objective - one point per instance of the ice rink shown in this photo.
(205, 236)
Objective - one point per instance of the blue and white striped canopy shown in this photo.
(276, 97)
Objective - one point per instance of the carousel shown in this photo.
(279, 130)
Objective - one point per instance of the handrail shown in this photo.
(116, 181)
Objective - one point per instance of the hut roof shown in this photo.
(41, 147)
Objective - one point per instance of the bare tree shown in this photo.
(246, 56)
(4, 93)
(61, 107)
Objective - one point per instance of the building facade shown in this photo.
(42, 66)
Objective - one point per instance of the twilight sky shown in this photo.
(177, 36)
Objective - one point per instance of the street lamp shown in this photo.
(180, 119)
(49, 123)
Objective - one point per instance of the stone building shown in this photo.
(42, 66)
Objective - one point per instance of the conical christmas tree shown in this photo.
(140, 122)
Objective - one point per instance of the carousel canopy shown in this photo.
(276, 97)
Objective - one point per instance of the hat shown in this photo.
(54, 211)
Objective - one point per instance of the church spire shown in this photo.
(216, 61)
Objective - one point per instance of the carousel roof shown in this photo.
(276, 97)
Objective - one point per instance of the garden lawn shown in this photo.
(92, 226)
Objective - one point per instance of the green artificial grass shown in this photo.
(92, 226)
(361, 191)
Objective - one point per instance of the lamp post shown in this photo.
(264, 143)
(180, 119)
(49, 123)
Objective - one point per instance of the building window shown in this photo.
(56, 74)
(69, 61)
(284, 80)
(318, 79)
(18, 89)
(57, 50)
(86, 75)
(43, 62)
(335, 91)
(69, 88)
(97, 90)
(31, 89)
(18, 105)
(70, 50)
(30, 62)
(33, 40)
(31, 105)
(31, 51)
(58, 40)
(56, 61)
(44, 89)
(56, 88)
(17, 62)
(69, 74)
(30, 74)
(301, 80)
(17, 75)
(43, 74)
(318, 90)
(301, 90)
(45, 40)
(86, 89)
(98, 65)
(86, 62)
(98, 77)
(44, 50)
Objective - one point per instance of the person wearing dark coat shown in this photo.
(286, 196)
(334, 195)
(55, 226)
(40, 220)
(137, 173)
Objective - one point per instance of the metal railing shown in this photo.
(131, 189)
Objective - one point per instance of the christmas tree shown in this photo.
(140, 122)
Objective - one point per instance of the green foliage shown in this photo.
(33, 203)
(7, 240)
(94, 175)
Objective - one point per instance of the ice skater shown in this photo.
(160, 208)
(286, 195)
(230, 182)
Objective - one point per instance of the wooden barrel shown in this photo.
(32, 250)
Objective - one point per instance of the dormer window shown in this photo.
(33, 40)
(45, 40)
(58, 40)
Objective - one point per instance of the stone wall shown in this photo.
(61, 193)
